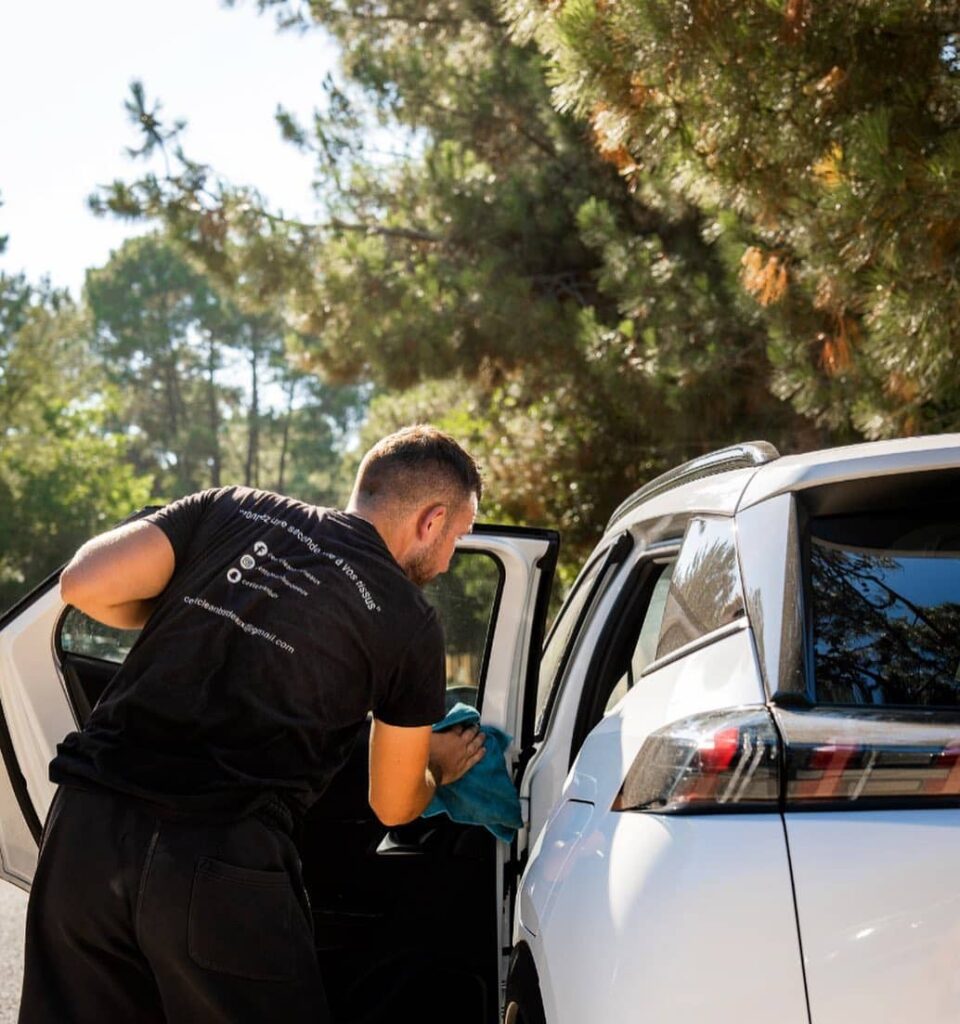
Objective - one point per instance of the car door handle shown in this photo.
(393, 846)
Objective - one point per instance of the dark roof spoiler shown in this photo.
(738, 456)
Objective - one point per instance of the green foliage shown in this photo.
(493, 268)
(823, 140)
(193, 366)
(63, 474)
(157, 322)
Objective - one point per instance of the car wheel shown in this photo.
(523, 1002)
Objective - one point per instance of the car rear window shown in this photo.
(884, 594)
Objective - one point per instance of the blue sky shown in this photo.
(65, 69)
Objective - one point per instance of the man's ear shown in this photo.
(430, 522)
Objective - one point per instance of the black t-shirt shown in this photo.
(282, 626)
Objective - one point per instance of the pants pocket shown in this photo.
(241, 921)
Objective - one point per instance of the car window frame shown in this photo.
(638, 586)
(738, 624)
(609, 559)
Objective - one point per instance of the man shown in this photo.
(168, 886)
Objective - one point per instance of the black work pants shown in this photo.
(135, 918)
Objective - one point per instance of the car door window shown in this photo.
(466, 598)
(81, 635)
(646, 649)
(566, 628)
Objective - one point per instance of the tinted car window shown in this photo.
(705, 591)
(885, 608)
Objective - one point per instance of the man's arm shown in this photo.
(115, 577)
(408, 763)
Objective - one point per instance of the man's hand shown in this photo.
(454, 752)
(401, 783)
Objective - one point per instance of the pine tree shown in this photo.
(819, 143)
(587, 336)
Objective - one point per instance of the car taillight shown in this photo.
(757, 759)
(718, 761)
(848, 758)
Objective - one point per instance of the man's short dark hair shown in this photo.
(415, 465)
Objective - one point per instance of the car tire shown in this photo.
(523, 1004)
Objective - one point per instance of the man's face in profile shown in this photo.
(435, 558)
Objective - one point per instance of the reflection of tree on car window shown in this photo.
(876, 640)
(705, 587)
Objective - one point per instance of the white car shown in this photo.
(738, 760)
(756, 681)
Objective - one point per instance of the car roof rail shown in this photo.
(738, 456)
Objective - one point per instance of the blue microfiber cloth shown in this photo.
(485, 795)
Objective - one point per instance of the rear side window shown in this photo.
(705, 591)
(884, 599)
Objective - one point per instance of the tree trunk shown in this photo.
(291, 388)
(252, 473)
(213, 412)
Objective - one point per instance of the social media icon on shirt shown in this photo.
(247, 562)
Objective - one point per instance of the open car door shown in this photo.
(414, 922)
(35, 714)
(407, 918)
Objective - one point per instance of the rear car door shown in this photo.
(412, 919)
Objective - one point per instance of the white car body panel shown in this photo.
(768, 543)
(509, 648)
(18, 850)
(590, 857)
(879, 911)
(712, 495)
(721, 674)
(690, 919)
(509, 656)
(853, 462)
(543, 780)
(34, 700)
